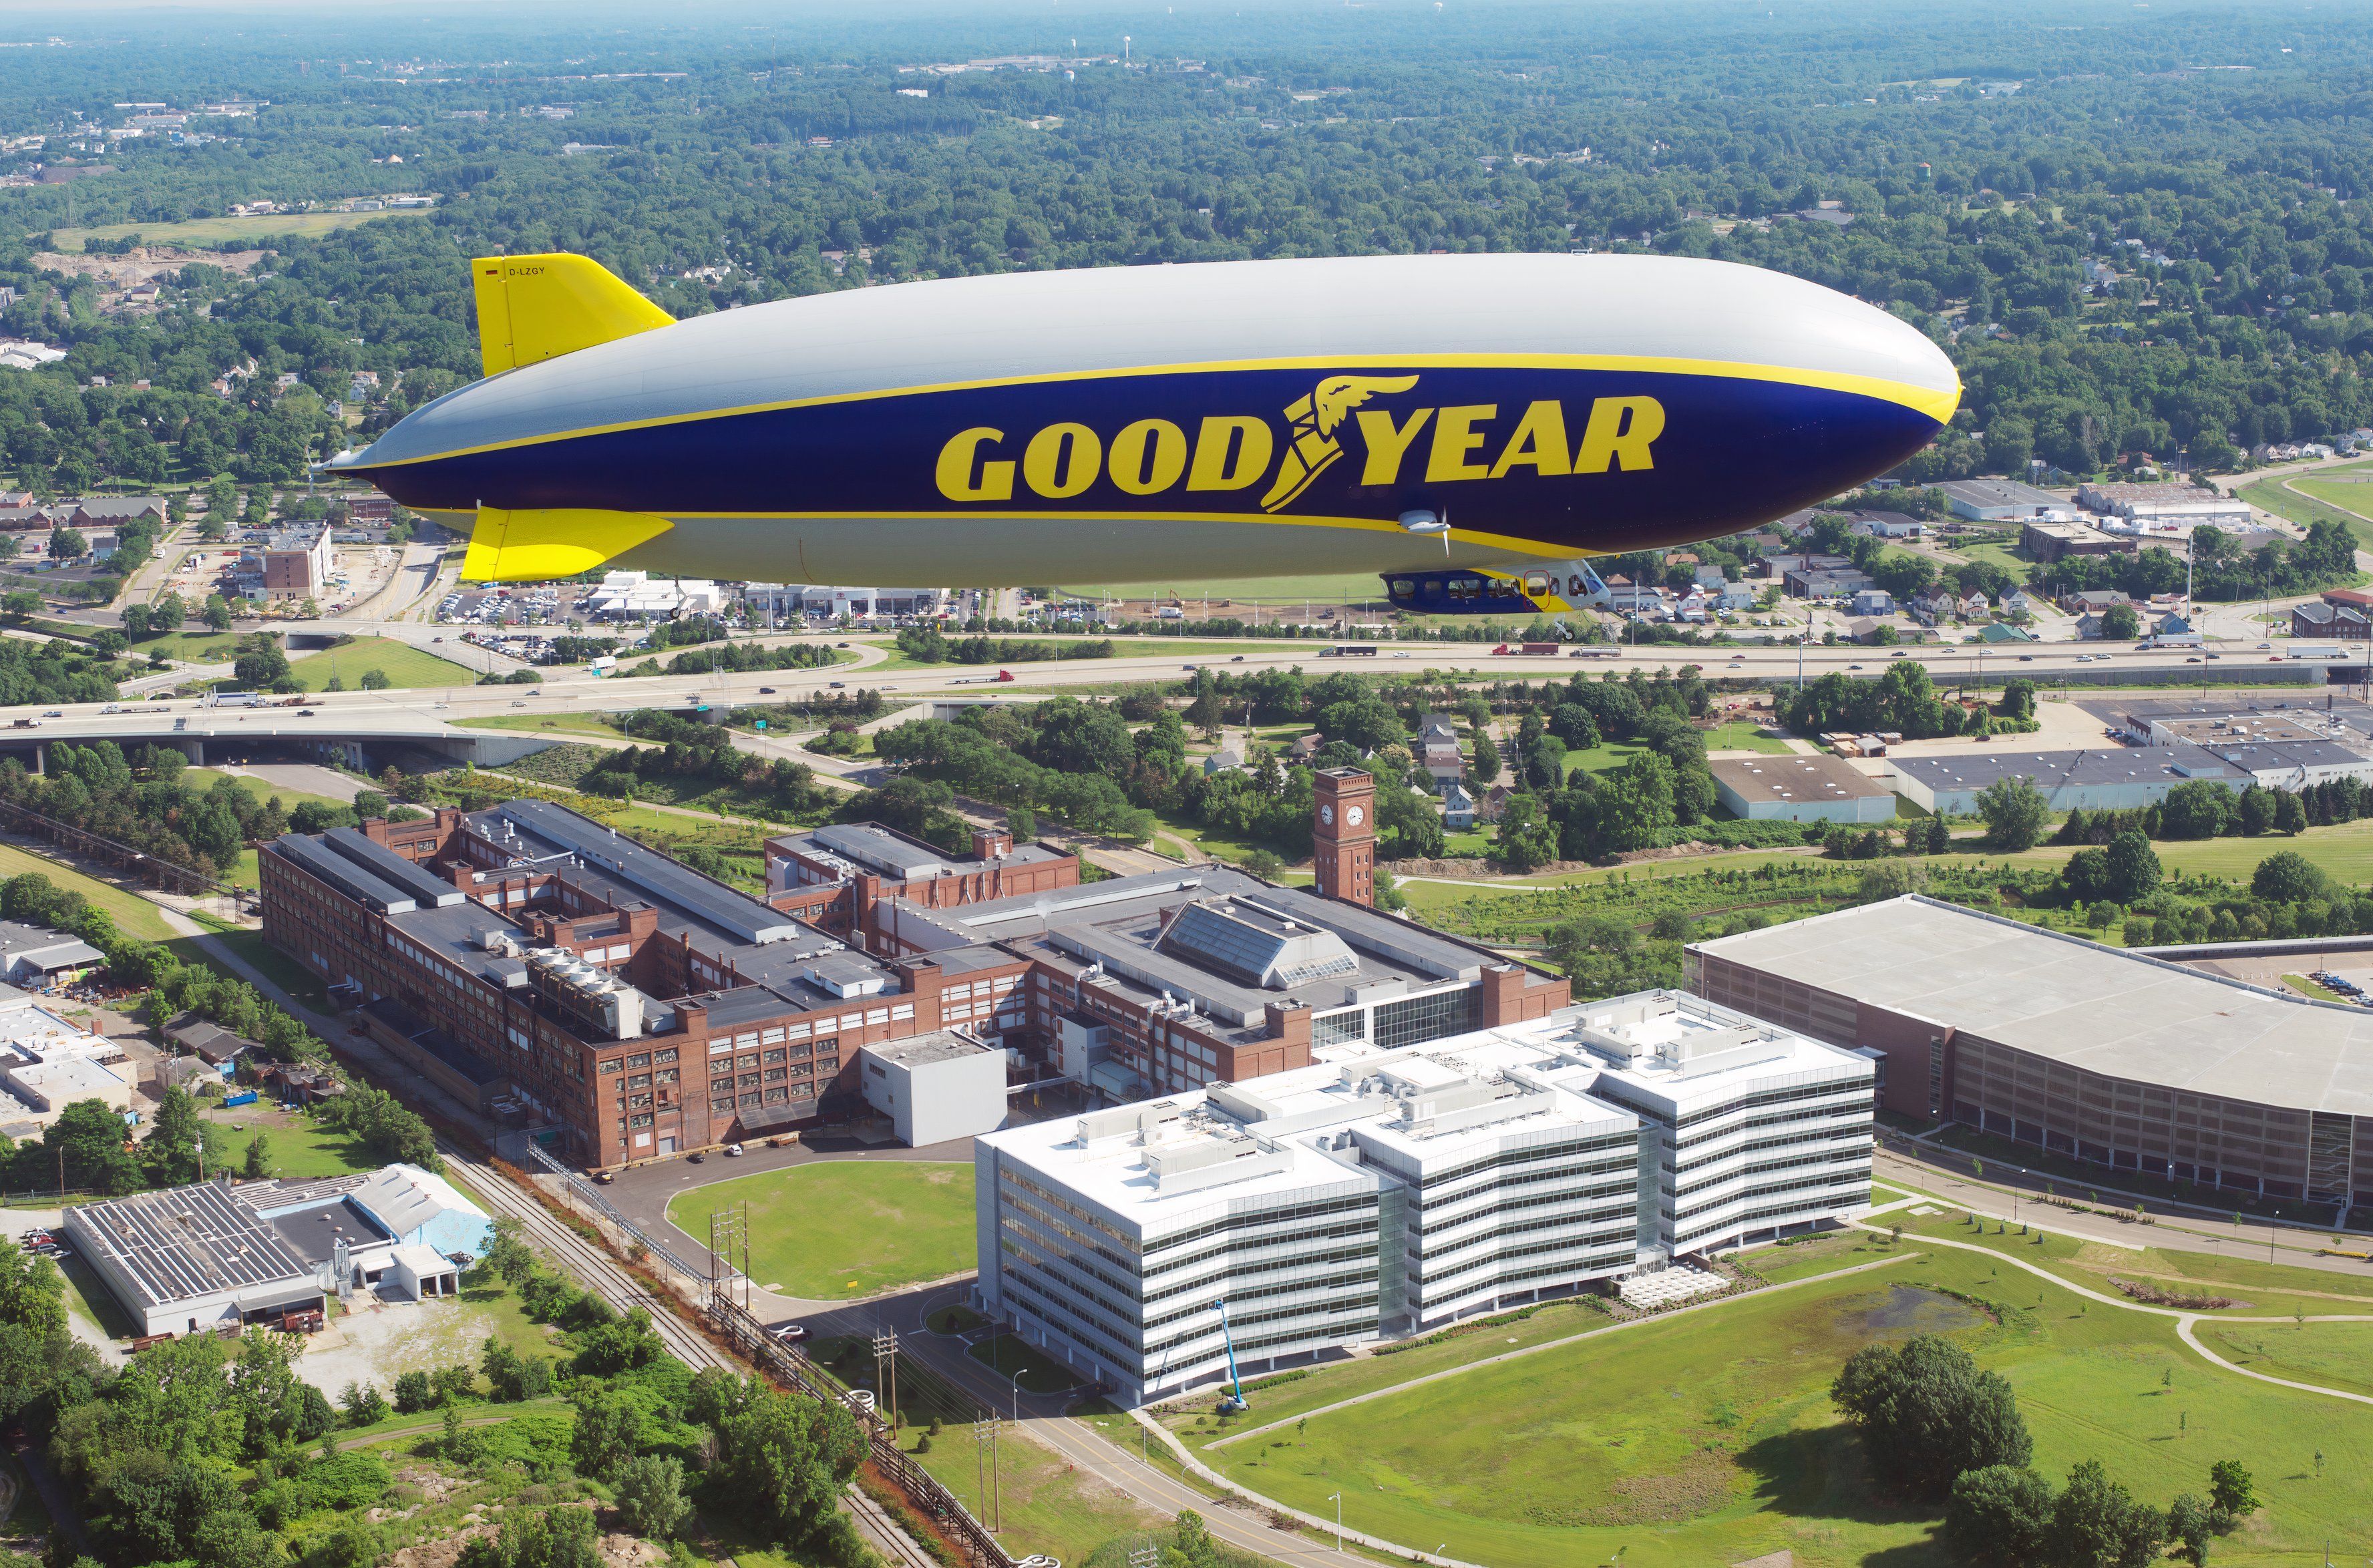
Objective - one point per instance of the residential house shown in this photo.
(1709, 578)
(1872, 601)
(1304, 747)
(1457, 807)
(2092, 600)
(1227, 759)
(2020, 605)
(1975, 607)
(1437, 748)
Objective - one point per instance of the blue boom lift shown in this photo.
(1236, 1403)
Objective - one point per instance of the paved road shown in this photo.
(1948, 1176)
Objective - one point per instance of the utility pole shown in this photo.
(885, 1370)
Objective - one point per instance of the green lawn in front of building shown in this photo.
(840, 1229)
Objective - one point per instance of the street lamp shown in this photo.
(1337, 1499)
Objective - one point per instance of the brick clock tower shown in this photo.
(1344, 836)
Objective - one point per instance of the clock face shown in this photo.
(1327, 815)
(1355, 816)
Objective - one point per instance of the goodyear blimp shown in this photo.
(1472, 428)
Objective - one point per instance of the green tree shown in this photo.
(2015, 811)
(1023, 823)
(375, 680)
(508, 1254)
(32, 1293)
(1526, 839)
(414, 1392)
(2191, 1525)
(1926, 1413)
(2286, 876)
(216, 612)
(650, 1495)
(784, 1457)
(2290, 814)
(1485, 767)
(2256, 809)
(1635, 802)
(2232, 1488)
(2120, 624)
(171, 1151)
(2133, 868)
(608, 1428)
(2000, 1514)
(2096, 1523)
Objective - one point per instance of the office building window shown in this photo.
(1421, 1018)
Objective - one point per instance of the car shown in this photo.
(519, 702)
(734, 1150)
(2212, 656)
(1854, 666)
(2026, 657)
(789, 1333)
(304, 713)
(766, 691)
(605, 1178)
(55, 713)
(1191, 669)
(2194, 660)
(437, 640)
(1400, 655)
(1897, 654)
(837, 686)
(1237, 659)
(2264, 645)
(840, 645)
(698, 1158)
(2277, 659)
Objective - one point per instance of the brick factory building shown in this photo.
(525, 957)
(2115, 1058)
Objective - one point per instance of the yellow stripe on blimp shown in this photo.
(1937, 406)
(534, 546)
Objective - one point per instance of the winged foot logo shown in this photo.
(1437, 445)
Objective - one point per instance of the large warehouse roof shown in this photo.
(2069, 999)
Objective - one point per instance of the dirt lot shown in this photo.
(377, 1339)
(119, 275)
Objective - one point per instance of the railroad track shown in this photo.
(602, 1274)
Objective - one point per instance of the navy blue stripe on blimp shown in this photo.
(1734, 452)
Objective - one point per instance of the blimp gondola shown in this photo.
(1473, 428)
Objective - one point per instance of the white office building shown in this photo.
(1380, 1193)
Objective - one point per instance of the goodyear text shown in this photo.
(1437, 445)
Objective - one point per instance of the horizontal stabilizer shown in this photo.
(537, 308)
(533, 547)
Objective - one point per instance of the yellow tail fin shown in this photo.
(535, 546)
(535, 307)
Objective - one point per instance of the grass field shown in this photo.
(1049, 1506)
(204, 779)
(539, 723)
(1736, 735)
(221, 231)
(844, 1229)
(2300, 506)
(191, 648)
(133, 914)
(403, 665)
(259, 955)
(295, 1145)
(1708, 1438)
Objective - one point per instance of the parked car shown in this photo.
(734, 1150)
(698, 1158)
(790, 1333)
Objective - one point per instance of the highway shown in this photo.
(567, 690)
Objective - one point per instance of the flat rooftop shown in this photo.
(2055, 771)
(187, 1242)
(2065, 999)
(921, 1050)
(887, 851)
(1795, 780)
(1159, 1164)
